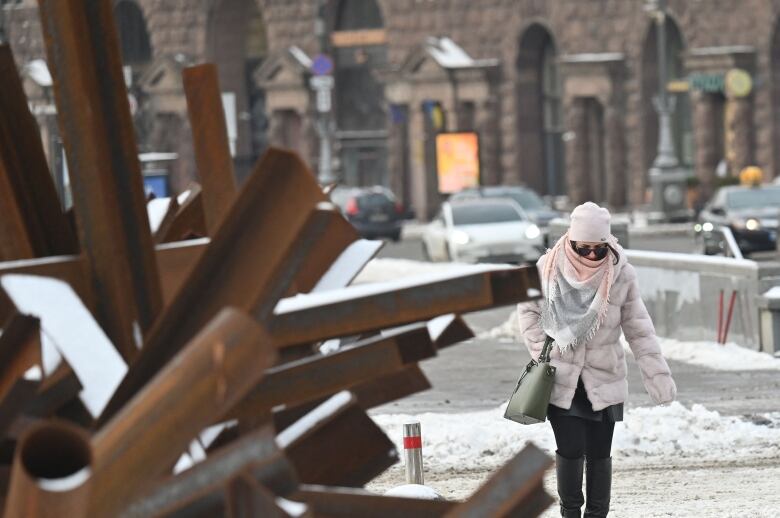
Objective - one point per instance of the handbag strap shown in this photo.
(544, 356)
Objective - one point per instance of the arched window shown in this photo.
(133, 36)
(539, 112)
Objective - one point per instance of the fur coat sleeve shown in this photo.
(640, 334)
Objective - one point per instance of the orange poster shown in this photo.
(457, 161)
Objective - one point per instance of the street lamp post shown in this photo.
(667, 178)
(322, 84)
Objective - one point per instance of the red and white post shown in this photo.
(413, 453)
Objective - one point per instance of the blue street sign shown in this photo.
(322, 65)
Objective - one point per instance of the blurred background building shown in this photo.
(560, 91)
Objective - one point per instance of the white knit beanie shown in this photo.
(589, 222)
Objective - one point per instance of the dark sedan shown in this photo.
(750, 212)
(373, 211)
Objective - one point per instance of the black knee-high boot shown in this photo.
(598, 485)
(569, 475)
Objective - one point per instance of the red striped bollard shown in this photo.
(413, 453)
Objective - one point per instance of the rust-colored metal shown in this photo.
(51, 474)
(82, 47)
(167, 220)
(246, 497)
(242, 266)
(347, 502)
(358, 450)
(391, 387)
(517, 485)
(32, 222)
(256, 452)
(189, 221)
(55, 391)
(15, 401)
(364, 308)
(212, 373)
(175, 262)
(449, 330)
(210, 140)
(312, 378)
(20, 349)
(330, 243)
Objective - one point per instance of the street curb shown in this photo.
(415, 229)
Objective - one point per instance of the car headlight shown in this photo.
(752, 224)
(532, 232)
(708, 227)
(460, 238)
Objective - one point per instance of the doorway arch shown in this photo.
(539, 112)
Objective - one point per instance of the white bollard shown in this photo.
(413, 453)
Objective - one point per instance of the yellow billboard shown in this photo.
(457, 161)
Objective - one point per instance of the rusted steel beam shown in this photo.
(213, 372)
(448, 330)
(245, 497)
(312, 378)
(167, 220)
(369, 394)
(364, 308)
(391, 387)
(82, 47)
(256, 451)
(189, 221)
(15, 401)
(210, 140)
(331, 243)
(175, 261)
(515, 486)
(33, 224)
(56, 390)
(20, 349)
(358, 450)
(347, 502)
(248, 264)
(51, 473)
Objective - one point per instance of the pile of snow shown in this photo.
(728, 357)
(485, 440)
(414, 491)
(380, 270)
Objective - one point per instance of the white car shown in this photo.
(487, 230)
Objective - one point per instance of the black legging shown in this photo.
(576, 437)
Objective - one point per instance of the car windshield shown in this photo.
(479, 214)
(753, 198)
(527, 199)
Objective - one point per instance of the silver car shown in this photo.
(488, 230)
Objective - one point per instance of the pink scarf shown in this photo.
(576, 293)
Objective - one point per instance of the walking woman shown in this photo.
(590, 293)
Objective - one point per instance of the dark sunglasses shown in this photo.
(600, 251)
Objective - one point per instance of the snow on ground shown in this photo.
(485, 440)
(668, 461)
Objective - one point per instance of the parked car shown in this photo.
(750, 212)
(373, 211)
(533, 205)
(494, 230)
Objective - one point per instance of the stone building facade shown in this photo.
(559, 91)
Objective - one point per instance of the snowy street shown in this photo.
(714, 452)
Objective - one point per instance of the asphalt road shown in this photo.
(480, 374)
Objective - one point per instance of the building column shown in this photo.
(398, 153)
(487, 126)
(419, 180)
(739, 133)
(705, 131)
(576, 151)
(615, 161)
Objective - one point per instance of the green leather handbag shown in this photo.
(528, 403)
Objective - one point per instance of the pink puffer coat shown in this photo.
(601, 361)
